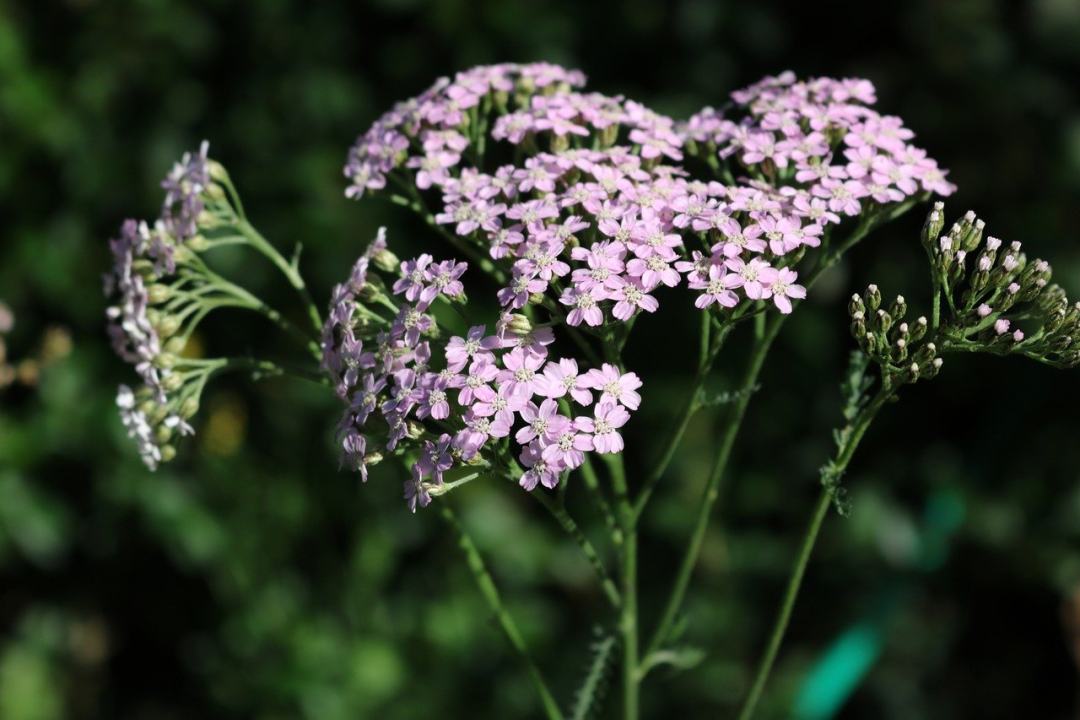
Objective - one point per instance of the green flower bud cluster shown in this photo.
(992, 298)
(900, 348)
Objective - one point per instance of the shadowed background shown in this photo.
(250, 578)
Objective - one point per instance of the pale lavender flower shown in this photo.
(614, 385)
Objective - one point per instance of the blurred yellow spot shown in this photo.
(226, 426)
(194, 347)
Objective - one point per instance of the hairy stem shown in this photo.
(762, 343)
(712, 485)
(628, 617)
(710, 348)
(571, 528)
(491, 594)
(798, 571)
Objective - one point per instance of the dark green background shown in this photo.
(251, 579)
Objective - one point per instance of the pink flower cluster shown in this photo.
(437, 120)
(822, 136)
(594, 217)
(478, 391)
(603, 229)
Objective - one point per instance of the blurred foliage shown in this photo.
(251, 579)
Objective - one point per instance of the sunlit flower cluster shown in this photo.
(445, 403)
(587, 206)
(161, 290)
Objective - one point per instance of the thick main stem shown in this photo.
(628, 615)
(798, 571)
(491, 594)
(712, 485)
(821, 509)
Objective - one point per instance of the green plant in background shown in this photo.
(580, 209)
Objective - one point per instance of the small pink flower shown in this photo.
(614, 386)
(783, 288)
(561, 378)
(604, 427)
(459, 351)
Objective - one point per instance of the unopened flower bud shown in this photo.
(373, 458)
(519, 324)
(198, 243)
(157, 293)
(168, 326)
(855, 305)
(172, 382)
(973, 237)
(386, 260)
(168, 452)
(883, 321)
(165, 360)
(935, 221)
(899, 308)
(872, 297)
(925, 354)
(414, 430)
(189, 408)
(918, 330)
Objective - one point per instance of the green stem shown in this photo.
(570, 527)
(491, 594)
(592, 484)
(628, 616)
(247, 300)
(798, 571)
(690, 407)
(821, 509)
(288, 269)
(712, 485)
(763, 342)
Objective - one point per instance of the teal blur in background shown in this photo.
(251, 579)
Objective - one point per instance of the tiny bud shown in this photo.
(168, 452)
(992, 244)
(855, 305)
(899, 307)
(386, 261)
(935, 221)
(165, 361)
(919, 330)
(974, 236)
(172, 382)
(216, 170)
(519, 324)
(1018, 336)
(189, 408)
(373, 458)
(872, 297)
(414, 429)
(983, 310)
(168, 326)
(157, 293)
(884, 321)
(198, 243)
(1001, 326)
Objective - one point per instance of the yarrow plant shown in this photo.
(582, 210)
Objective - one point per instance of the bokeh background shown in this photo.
(251, 579)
